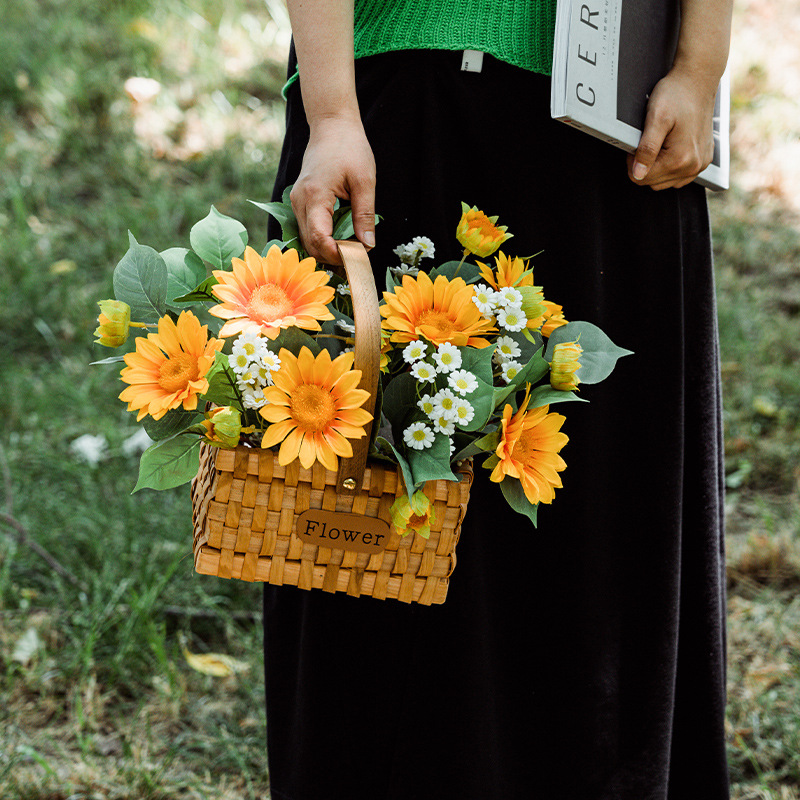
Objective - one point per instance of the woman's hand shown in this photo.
(677, 142)
(338, 162)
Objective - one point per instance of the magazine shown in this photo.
(607, 57)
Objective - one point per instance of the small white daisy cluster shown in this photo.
(411, 254)
(448, 407)
(505, 304)
(505, 356)
(253, 364)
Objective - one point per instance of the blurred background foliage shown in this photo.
(138, 115)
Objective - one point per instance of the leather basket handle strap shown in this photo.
(367, 354)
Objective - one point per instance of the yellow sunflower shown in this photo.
(440, 311)
(168, 368)
(314, 408)
(528, 450)
(478, 233)
(508, 272)
(553, 317)
(270, 293)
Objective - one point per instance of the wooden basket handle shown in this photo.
(367, 320)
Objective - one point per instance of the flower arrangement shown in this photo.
(233, 346)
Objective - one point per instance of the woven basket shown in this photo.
(315, 529)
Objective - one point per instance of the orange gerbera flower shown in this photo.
(440, 311)
(508, 272)
(478, 233)
(314, 408)
(168, 368)
(270, 293)
(528, 450)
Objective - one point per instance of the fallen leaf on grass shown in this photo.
(218, 665)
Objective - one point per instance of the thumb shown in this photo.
(362, 201)
(655, 132)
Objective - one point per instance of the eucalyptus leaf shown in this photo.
(140, 280)
(455, 269)
(515, 496)
(284, 214)
(400, 401)
(343, 224)
(169, 463)
(391, 283)
(547, 396)
(479, 363)
(405, 468)
(270, 244)
(185, 270)
(294, 340)
(218, 238)
(432, 463)
(175, 421)
(201, 293)
(221, 382)
(599, 355)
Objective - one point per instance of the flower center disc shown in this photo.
(176, 372)
(269, 303)
(436, 319)
(312, 407)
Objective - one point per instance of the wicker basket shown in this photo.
(315, 529)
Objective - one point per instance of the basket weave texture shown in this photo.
(245, 510)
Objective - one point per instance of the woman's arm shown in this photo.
(338, 161)
(677, 143)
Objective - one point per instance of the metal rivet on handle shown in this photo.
(350, 483)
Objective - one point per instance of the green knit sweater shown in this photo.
(517, 31)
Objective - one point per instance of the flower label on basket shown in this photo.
(297, 390)
(352, 532)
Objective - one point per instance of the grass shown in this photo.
(97, 699)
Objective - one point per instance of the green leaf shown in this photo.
(533, 371)
(515, 496)
(270, 244)
(479, 363)
(405, 468)
(294, 340)
(400, 402)
(175, 421)
(218, 238)
(343, 224)
(284, 213)
(432, 463)
(221, 382)
(185, 270)
(140, 280)
(599, 355)
(169, 463)
(201, 293)
(109, 360)
(450, 269)
(546, 396)
(391, 283)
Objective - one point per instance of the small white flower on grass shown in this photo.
(415, 351)
(345, 326)
(444, 425)
(509, 296)
(343, 288)
(405, 269)
(425, 404)
(464, 412)
(418, 435)
(462, 381)
(424, 372)
(512, 318)
(511, 370)
(444, 403)
(484, 298)
(507, 349)
(447, 357)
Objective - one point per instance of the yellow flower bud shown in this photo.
(478, 233)
(564, 366)
(415, 514)
(115, 320)
(223, 426)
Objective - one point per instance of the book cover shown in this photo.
(607, 57)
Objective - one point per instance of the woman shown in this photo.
(584, 659)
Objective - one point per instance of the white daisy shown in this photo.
(512, 318)
(405, 269)
(484, 298)
(425, 404)
(462, 381)
(248, 377)
(509, 296)
(424, 246)
(253, 398)
(346, 326)
(447, 357)
(464, 412)
(424, 372)
(507, 349)
(444, 425)
(405, 252)
(239, 362)
(511, 370)
(414, 351)
(444, 403)
(343, 288)
(271, 361)
(418, 435)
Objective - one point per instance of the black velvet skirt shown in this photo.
(590, 664)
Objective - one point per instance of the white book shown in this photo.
(607, 57)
